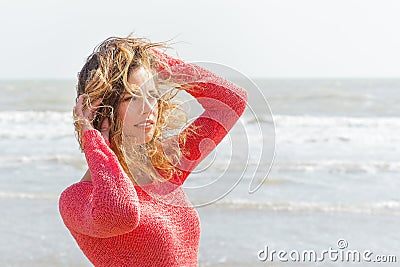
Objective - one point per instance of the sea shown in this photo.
(309, 174)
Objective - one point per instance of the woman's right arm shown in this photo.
(108, 205)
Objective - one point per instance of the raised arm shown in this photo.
(223, 103)
(106, 206)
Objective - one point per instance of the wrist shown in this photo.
(86, 127)
(87, 134)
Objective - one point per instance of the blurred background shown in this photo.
(329, 72)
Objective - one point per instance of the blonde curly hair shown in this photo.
(105, 76)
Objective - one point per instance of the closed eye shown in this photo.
(129, 98)
(152, 94)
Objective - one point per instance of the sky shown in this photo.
(45, 39)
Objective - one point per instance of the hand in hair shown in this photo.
(84, 117)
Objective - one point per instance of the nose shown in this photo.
(148, 105)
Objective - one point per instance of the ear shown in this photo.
(105, 129)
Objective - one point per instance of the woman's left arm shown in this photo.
(223, 103)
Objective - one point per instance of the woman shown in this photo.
(129, 209)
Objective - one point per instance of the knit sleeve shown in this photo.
(106, 206)
(223, 103)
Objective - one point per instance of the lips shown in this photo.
(145, 123)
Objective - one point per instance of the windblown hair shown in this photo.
(105, 76)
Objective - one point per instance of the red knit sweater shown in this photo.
(116, 223)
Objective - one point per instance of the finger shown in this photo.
(90, 112)
(78, 106)
(80, 113)
(96, 103)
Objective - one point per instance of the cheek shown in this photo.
(129, 118)
(124, 116)
(127, 113)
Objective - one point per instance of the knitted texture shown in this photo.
(116, 223)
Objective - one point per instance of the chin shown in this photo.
(132, 139)
(148, 138)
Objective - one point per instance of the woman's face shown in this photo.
(139, 113)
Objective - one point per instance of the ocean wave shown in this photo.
(34, 116)
(328, 129)
(391, 207)
(288, 129)
(66, 159)
(332, 166)
(341, 121)
(340, 166)
(25, 195)
(35, 124)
